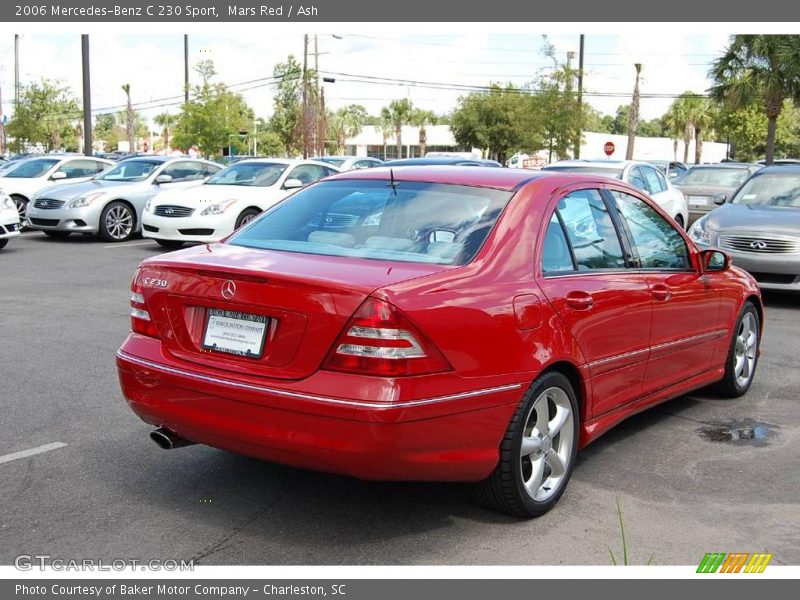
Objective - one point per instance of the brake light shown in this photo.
(380, 340)
(140, 317)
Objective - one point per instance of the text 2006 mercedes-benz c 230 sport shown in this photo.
(436, 323)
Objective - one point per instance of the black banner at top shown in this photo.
(209, 11)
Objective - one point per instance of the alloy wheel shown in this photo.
(119, 222)
(547, 442)
(744, 352)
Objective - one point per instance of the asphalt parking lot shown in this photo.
(111, 493)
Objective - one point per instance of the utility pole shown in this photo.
(633, 114)
(87, 97)
(305, 95)
(16, 71)
(577, 150)
(2, 125)
(186, 68)
(317, 113)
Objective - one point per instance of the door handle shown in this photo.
(580, 300)
(661, 292)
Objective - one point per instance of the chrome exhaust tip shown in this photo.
(168, 440)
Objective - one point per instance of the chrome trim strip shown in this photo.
(608, 359)
(658, 347)
(315, 398)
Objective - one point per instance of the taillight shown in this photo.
(380, 340)
(140, 317)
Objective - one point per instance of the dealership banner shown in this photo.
(375, 589)
(611, 11)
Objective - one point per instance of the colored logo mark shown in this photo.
(736, 562)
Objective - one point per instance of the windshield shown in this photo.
(251, 174)
(721, 177)
(336, 162)
(613, 172)
(31, 168)
(131, 170)
(414, 222)
(774, 190)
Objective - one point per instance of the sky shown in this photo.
(673, 62)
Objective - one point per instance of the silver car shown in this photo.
(112, 203)
(760, 228)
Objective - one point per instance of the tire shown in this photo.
(742, 358)
(247, 215)
(505, 489)
(171, 244)
(22, 207)
(117, 222)
(3, 244)
(60, 235)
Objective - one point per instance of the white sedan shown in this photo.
(234, 196)
(27, 176)
(640, 174)
(9, 220)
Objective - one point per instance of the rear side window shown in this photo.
(556, 256)
(657, 242)
(411, 221)
(590, 230)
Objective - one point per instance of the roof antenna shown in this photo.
(392, 181)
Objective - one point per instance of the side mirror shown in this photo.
(720, 198)
(163, 178)
(714, 261)
(291, 184)
(58, 175)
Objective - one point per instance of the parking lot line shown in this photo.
(31, 452)
(128, 245)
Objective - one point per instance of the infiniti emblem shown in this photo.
(169, 211)
(758, 245)
(228, 290)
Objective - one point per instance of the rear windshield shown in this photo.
(412, 221)
(780, 190)
(721, 177)
(594, 170)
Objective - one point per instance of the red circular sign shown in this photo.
(609, 148)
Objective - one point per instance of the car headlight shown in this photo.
(7, 203)
(699, 232)
(218, 208)
(149, 206)
(84, 200)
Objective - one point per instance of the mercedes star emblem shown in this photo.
(228, 290)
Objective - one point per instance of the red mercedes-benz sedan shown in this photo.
(436, 323)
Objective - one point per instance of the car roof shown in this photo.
(439, 160)
(286, 161)
(492, 177)
(785, 168)
(725, 165)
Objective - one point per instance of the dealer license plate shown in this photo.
(700, 200)
(235, 332)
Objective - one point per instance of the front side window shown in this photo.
(654, 184)
(636, 179)
(308, 173)
(411, 221)
(185, 171)
(657, 242)
(590, 230)
(79, 168)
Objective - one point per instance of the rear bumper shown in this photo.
(442, 438)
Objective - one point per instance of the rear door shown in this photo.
(685, 305)
(584, 273)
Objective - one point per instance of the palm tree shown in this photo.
(398, 113)
(348, 122)
(386, 128)
(421, 118)
(679, 122)
(167, 123)
(633, 114)
(129, 118)
(698, 117)
(765, 67)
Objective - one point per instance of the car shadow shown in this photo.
(776, 299)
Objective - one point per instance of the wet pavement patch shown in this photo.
(738, 432)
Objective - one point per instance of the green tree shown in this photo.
(398, 113)
(422, 118)
(46, 115)
(214, 117)
(679, 121)
(346, 122)
(166, 122)
(287, 115)
(759, 66)
(744, 128)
